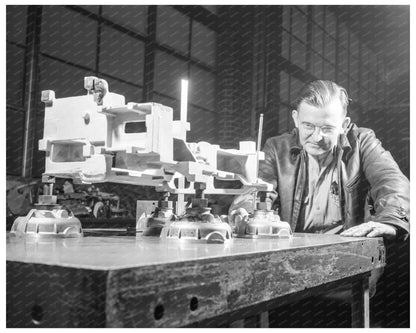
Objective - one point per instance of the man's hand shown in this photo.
(371, 229)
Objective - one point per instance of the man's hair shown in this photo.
(319, 93)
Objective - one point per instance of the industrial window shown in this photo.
(186, 48)
(133, 18)
(299, 24)
(202, 91)
(343, 36)
(354, 89)
(343, 59)
(172, 29)
(354, 45)
(121, 56)
(16, 24)
(203, 45)
(343, 79)
(354, 67)
(317, 38)
(16, 46)
(168, 73)
(317, 65)
(65, 79)
(69, 36)
(284, 87)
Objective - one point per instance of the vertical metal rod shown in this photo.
(98, 46)
(180, 205)
(149, 56)
(259, 135)
(31, 59)
(184, 100)
(260, 132)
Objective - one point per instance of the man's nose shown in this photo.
(317, 134)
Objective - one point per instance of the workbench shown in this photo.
(110, 279)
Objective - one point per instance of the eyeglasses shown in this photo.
(325, 130)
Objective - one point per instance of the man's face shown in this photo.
(319, 127)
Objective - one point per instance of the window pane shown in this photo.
(121, 56)
(330, 49)
(380, 68)
(171, 102)
(203, 43)
(131, 17)
(354, 45)
(329, 71)
(295, 87)
(14, 141)
(211, 8)
(331, 24)
(373, 62)
(299, 25)
(318, 15)
(284, 87)
(302, 8)
(16, 24)
(363, 98)
(14, 74)
(364, 77)
(204, 126)
(298, 53)
(317, 38)
(286, 18)
(365, 53)
(131, 93)
(285, 119)
(372, 81)
(172, 28)
(343, 79)
(68, 35)
(343, 35)
(169, 71)
(285, 44)
(93, 9)
(354, 68)
(353, 91)
(317, 65)
(380, 90)
(202, 88)
(64, 79)
(343, 59)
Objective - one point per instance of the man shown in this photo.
(332, 176)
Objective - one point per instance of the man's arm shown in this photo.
(389, 189)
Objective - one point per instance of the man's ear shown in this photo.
(295, 117)
(346, 122)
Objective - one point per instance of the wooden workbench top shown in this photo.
(106, 279)
(109, 251)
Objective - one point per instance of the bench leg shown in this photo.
(360, 305)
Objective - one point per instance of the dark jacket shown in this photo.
(372, 185)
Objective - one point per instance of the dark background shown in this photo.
(241, 61)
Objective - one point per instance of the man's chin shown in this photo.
(315, 150)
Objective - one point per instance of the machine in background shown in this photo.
(98, 138)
